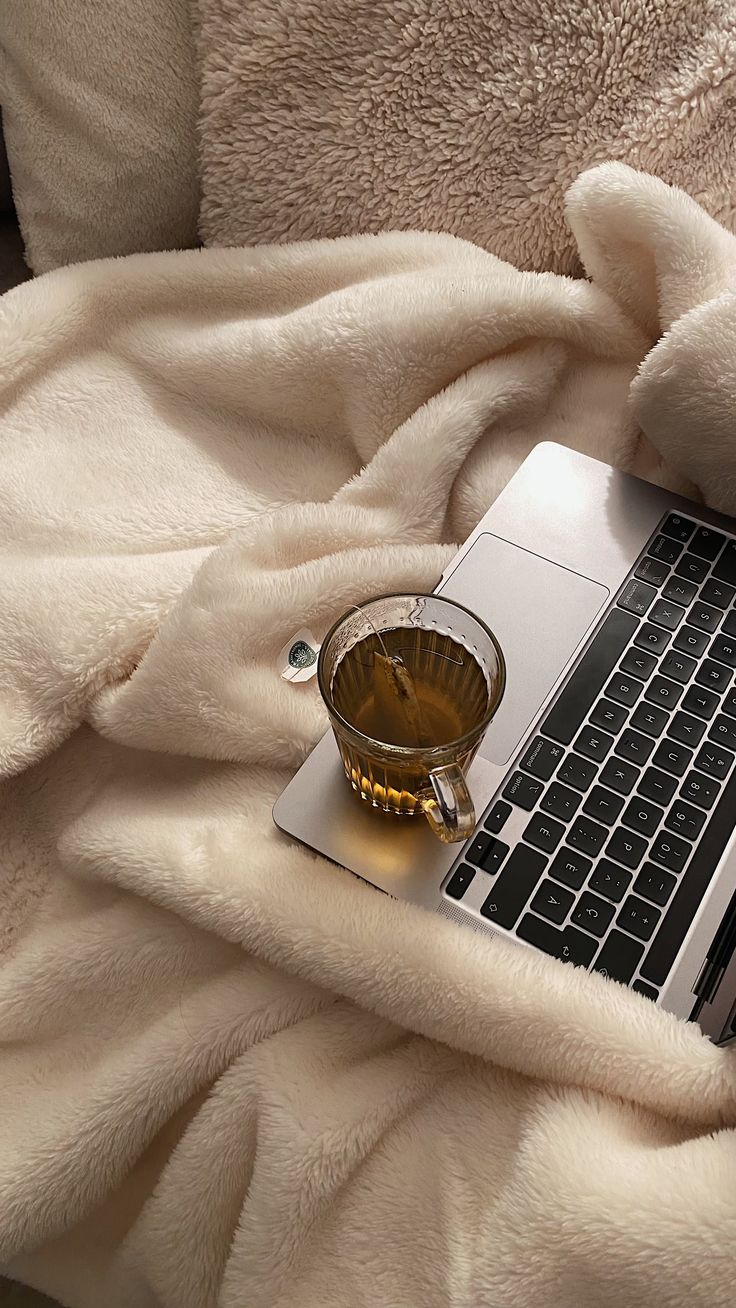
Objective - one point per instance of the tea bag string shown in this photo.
(434, 652)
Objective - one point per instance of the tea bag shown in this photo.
(398, 714)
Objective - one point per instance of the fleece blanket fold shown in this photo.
(231, 1074)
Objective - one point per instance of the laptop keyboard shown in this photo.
(605, 836)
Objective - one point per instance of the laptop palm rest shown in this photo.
(540, 613)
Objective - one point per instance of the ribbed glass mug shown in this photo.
(459, 671)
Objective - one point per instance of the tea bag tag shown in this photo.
(298, 659)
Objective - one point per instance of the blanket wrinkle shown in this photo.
(230, 1071)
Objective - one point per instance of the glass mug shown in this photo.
(407, 735)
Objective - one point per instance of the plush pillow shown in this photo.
(329, 117)
(99, 111)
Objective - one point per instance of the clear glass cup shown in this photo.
(459, 673)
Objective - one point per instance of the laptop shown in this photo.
(605, 788)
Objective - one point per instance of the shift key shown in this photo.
(514, 886)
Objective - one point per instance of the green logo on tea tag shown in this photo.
(298, 658)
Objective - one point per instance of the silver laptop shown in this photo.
(605, 787)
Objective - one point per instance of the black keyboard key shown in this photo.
(586, 682)
(560, 801)
(722, 731)
(638, 663)
(651, 638)
(652, 570)
(702, 702)
(476, 851)
(608, 716)
(685, 820)
(680, 590)
(494, 856)
(620, 776)
(687, 729)
(718, 593)
(724, 650)
(680, 667)
(636, 596)
(713, 675)
(715, 760)
(700, 789)
(691, 641)
(623, 689)
(655, 884)
(677, 527)
(542, 758)
(577, 771)
(570, 867)
(694, 883)
(642, 988)
(704, 617)
(514, 886)
(593, 914)
(667, 550)
(593, 743)
(569, 945)
(642, 816)
(671, 851)
(657, 785)
(692, 568)
(666, 614)
(524, 791)
(611, 880)
(638, 917)
(707, 543)
(663, 692)
(603, 805)
(626, 847)
(544, 833)
(495, 820)
(587, 836)
(729, 623)
(673, 757)
(459, 881)
(634, 747)
(552, 901)
(725, 568)
(649, 718)
(619, 957)
(729, 704)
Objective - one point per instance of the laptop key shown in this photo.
(729, 623)
(670, 851)
(703, 702)
(722, 730)
(657, 785)
(704, 616)
(603, 805)
(724, 650)
(494, 856)
(677, 527)
(663, 548)
(651, 638)
(685, 820)
(619, 957)
(476, 851)
(542, 758)
(524, 791)
(459, 881)
(609, 879)
(497, 816)
(700, 789)
(587, 836)
(680, 667)
(627, 848)
(725, 568)
(715, 760)
(620, 776)
(638, 917)
(691, 641)
(570, 867)
(576, 771)
(594, 744)
(729, 704)
(687, 729)
(642, 816)
(718, 593)
(713, 675)
(652, 570)
(634, 747)
(673, 757)
(638, 663)
(663, 692)
(514, 886)
(667, 614)
(593, 913)
(642, 988)
(650, 718)
(680, 590)
(655, 884)
(692, 568)
(560, 801)
(544, 833)
(552, 901)
(586, 682)
(608, 716)
(636, 596)
(624, 690)
(707, 543)
(568, 945)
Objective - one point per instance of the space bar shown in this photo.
(596, 665)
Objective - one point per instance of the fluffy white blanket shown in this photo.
(231, 1074)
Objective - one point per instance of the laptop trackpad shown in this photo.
(539, 611)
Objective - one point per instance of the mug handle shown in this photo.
(447, 806)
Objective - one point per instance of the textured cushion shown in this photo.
(99, 111)
(329, 117)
